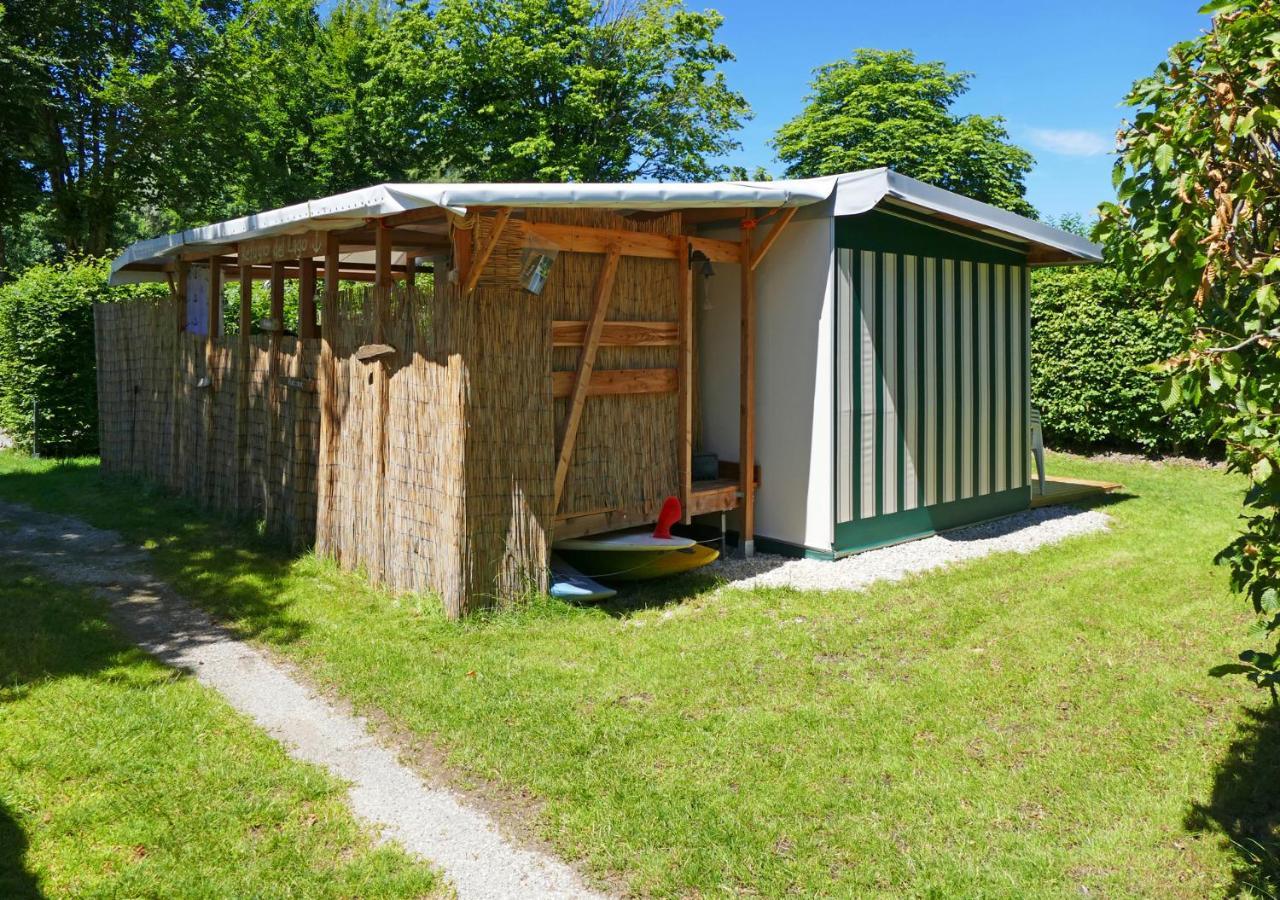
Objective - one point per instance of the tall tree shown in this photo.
(559, 90)
(1197, 219)
(883, 108)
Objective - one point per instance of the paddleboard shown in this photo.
(567, 583)
(634, 555)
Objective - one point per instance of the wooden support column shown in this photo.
(213, 321)
(244, 370)
(179, 371)
(273, 390)
(463, 239)
(747, 398)
(381, 300)
(582, 381)
(307, 327)
(684, 430)
(326, 379)
(410, 270)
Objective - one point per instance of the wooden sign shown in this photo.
(284, 248)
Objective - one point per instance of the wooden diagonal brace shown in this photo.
(582, 381)
(478, 264)
(787, 215)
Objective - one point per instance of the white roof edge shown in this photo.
(853, 193)
(974, 212)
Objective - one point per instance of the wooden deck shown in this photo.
(1068, 490)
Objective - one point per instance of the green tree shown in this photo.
(557, 90)
(883, 108)
(1197, 220)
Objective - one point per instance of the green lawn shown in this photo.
(1021, 725)
(120, 778)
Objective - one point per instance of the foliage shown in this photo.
(1197, 220)
(883, 108)
(1094, 337)
(696, 740)
(131, 117)
(48, 389)
(559, 90)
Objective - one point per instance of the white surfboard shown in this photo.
(626, 541)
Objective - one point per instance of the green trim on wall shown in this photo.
(865, 534)
(896, 233)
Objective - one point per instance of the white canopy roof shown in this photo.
(850, 194)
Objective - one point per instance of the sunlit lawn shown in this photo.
(121, 778)
(1021, 725)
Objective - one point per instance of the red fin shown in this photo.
(669, 516)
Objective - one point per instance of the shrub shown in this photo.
(47, 365)
(1093, 335)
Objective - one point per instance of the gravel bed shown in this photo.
(1019, 533)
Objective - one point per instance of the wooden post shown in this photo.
(179, 366)
(463, 244)
(582, 381)
(747, 398)
(326, 379)
(685, 327)
(410, 270)
(213, 322)
(307, 299)
(243, 372)
(381, 300)
(273, 390)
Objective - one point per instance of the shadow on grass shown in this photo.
(226, 567)
(1244, 807)
(15, 881)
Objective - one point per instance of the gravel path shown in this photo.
(434, 823)
(1019, 533)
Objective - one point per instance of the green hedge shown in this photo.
(1092, 335)
(48, 377)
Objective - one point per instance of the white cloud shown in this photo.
(1071, 141)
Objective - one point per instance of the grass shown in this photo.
(119, 777)
(1019, 726)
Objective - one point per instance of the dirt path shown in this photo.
(434, 823)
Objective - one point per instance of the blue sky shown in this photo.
(1056, 71)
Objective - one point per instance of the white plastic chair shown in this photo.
(1037, 445)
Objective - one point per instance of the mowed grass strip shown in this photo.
(120, 777)
(1022, 725)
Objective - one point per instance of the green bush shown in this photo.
(1093, 334)
(48, 376)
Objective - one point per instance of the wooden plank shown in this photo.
(574, 525)
(307, 299)
(411, 216)
(787, 215)
(747, 395)
(282, 248)
(242, 393)
(609, 382)
(684, 406)
(370, 352)
(584, 239)
(482, 259)
(410, 270)
(721, 498)
(569, 333)
(582, 378)
(715, 250)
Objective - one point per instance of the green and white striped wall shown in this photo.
(932, 380)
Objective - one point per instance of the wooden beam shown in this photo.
(684, 424)
(411, 216)
(277, 297)
(715, 250)
(382, 260)
(747, 397)
(281, 248)
(410, 270)
(239, 464)
(570, 333)
(605, 382)
(246, 301)
(582, 379)
(482, 259)
(787, 215)
(307, 327)
(584, 239)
